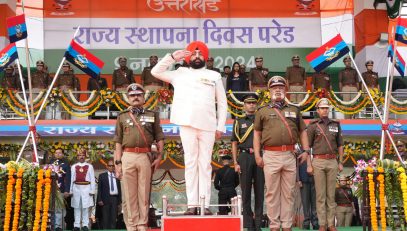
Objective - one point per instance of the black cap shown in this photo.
(251, 97)
(226, 157)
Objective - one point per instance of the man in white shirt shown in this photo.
(199, 107)
(82, 189)
(109, 196)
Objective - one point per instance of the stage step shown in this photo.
(201, 223)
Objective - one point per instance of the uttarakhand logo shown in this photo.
(305, 7)
(81, 60)
(4, 58)
(331, 53)
(62, 7)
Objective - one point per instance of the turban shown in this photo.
(201, 47)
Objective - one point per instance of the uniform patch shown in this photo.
(244, 126)
(333, 129)
(149, 119)
(290, 114)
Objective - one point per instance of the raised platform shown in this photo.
(353, 228)
(201, 223)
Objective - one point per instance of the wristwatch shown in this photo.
(307, 151)
(117, 162)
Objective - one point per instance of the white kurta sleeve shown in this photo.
(221, 106)
(73, 177)
(92, 179)
(160, 70)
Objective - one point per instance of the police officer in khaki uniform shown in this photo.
(258, 76)
(295, 76)
(325, 137)
(321, 80)
(9, 80)
(149, 82)
(371, 78)
(209, 65)
(251, 176)
(136, 130)
(277, 128)
(122, 77)
(66, 81)
(40, 79)
(345, 208)
(348, 80)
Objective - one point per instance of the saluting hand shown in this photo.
(180, 55)
(118, 171)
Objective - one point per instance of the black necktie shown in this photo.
(111, 183)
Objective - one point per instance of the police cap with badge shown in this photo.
(250, 98)
(135, 89)
(323, 103)
(276, 81)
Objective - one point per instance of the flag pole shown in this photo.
(383, 137)
(28, 113)
(53, 81)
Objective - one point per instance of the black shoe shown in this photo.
(58, 229)
(76, 229)
(85, 228)
(315, 227)
(306, 227)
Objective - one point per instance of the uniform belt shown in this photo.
(324, 156)
(82, 182)
(345, 205)
(282, 148)
(137, 150)
(248, 150)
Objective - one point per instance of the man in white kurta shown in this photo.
(200, 108)
(83, 187)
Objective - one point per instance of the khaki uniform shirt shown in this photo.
(259, 76)
(274, 131)
(321, 80)
(148, 79)
(317, 140)
(295, 75)
(40, 80)
(10, 82)
(128, 135)
(371, 78)
(122, 78)
(67, 81)
(348, 76)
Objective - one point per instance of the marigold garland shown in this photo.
(17, 200)
(403, 186)
(372, 199)
(38, 200)
(390, 198)
(9, 198)
(380, 179)
(47, 193)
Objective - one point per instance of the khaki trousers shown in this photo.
(136, 182)
(325, 171)
(296, 98)
(279, 174)
(344, 216)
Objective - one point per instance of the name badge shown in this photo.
(333, 129)
(273, 115)
(290, 114)
(244, 126)
(148, 119)
(207, 81)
